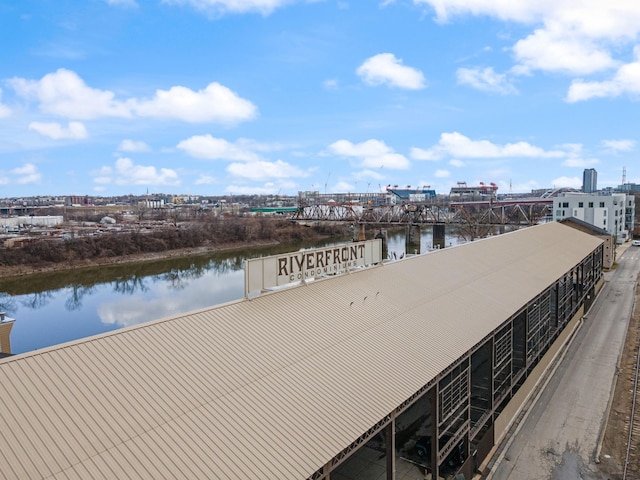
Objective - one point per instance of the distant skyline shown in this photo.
(219, 97)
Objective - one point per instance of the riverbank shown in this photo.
(16, 271)
(212, 235)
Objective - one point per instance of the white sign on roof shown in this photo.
(278, 270)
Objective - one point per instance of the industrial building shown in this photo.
(399, 371)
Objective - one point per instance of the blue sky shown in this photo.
(218, 97)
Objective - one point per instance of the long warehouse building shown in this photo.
(397, 371)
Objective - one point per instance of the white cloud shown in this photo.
(593, 18)
(626, 80)
(569, 36)
(578, 162)
(343, 186)
(65, 94)
(374, 174)
(125, 172)
(567, 182)
(122, 3)
(455, 144)
(422, 154)
(485, 79)
(456, 163)
(221, 7)
(211, 148)
(4, 110)
(371, 154)
(74, 130)
(128, 145)
(386, 69)
(216, 103)
(553, 51)
(330, 84)
(28, 173)
(442, 173)
(620, 145)
(205, 180)
(261, 170)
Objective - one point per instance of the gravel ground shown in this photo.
(616, 435)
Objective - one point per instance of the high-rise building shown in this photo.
(590, 180)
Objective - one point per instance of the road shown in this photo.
(558, 438)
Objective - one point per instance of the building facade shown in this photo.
(590, 180)
(614, 213)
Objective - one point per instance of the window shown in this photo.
(601, 204)
(590, 204)
(565, 204)
(580, 204)
(558, 213)
(604, 222)
(605, 213)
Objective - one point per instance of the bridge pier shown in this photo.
(382, 234)
(361, 233)
(439, 238)
(412, 240)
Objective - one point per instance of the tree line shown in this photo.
(212, 232)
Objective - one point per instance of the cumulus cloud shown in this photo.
(211, 148)
(620, 145)
(4, 110)
(442, 173)
(553, 51)
(125, 172)
(625, 80)
(575, 38)
(578, 162)
(221, 7)
(370, 154)
(455, 144)
(422, 154)
(56, 131)
(64, 94)
(614, 19)
(133, 146)
(216, 103)
(205, 180)
(261, 170)
(567, 182)
(386, 69)
(343, 186)
(485, 79)
(28, 173)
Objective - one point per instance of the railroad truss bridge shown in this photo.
(497, 212)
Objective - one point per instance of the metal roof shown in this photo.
(272, 387)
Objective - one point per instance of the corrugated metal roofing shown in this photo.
(272, 387)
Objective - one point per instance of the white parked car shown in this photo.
(635, 243)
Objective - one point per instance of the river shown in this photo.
(59, 307)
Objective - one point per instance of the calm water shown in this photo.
(59, 307)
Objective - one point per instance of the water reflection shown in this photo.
(163, 300)
(56, 307)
